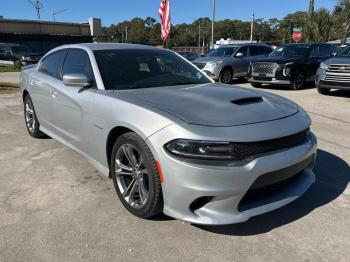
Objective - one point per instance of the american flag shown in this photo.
(164, 13)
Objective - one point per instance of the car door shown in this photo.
(241, 62)
(312, 62)
(40, 86)
(72, 104)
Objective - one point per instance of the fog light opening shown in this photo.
(200, 202)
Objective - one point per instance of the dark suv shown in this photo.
(291, 64)
(18, 53)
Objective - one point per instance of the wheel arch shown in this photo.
(24, 94)
(229, 67)
(113, 135)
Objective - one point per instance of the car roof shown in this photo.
(108, 46)
(245, 44)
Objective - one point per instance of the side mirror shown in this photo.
(239, 54)
(79, 80)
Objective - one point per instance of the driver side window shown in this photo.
(78, 62)
(243, 50)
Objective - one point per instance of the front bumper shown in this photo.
(225, 186)
(337, 81)
(270, 81)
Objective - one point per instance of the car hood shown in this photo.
(280, 59)
(213, 104)
(338, 60)
(209, 59)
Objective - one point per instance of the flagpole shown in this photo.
(212, 24)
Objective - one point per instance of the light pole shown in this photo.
(212, 24)
(252, 28)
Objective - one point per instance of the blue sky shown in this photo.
(114, 11)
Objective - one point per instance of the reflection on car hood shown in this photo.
(281, 59)
(212, 104)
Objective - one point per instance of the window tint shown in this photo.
(255, 50)
(267, 50)
(78, 62)
(127, 69)
(325, 51)
(51, 64)
(314, 52)
(243, 50)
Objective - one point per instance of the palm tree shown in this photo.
(320, 27)
(342, 14)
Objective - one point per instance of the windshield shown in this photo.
(20, 49)
(222, 51)
(290, 51)
(344, 53)
(135, 68)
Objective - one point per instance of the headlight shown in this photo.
(26, 58)
(204, 150)
(287, 69)
(213, 64)
(323, 66)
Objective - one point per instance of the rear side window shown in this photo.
(51, 65)
(255, 50)
(78, 62)
(314, 51)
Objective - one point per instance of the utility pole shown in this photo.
(126, 33)
(252, 28)
(212, 24)
(311, 8)
(37, 6)
(199, 34)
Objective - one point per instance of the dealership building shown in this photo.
(41, 36)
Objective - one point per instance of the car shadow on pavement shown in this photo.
(340, 93)
(307, 86)
(332, 175)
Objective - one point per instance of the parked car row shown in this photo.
(291, 65)
(18, 53)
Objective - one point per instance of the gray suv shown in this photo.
(334, 73)
(231, 61)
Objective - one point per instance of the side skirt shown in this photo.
(101, 168)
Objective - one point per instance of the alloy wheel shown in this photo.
(132, 176)
(30, 116)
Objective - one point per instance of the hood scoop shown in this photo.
(247, 100)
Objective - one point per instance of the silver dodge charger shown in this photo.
(170, 138)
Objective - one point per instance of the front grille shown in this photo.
(200, 65)
(337, 74)
(267, 185)
(339, 68)
(244, 151)
(264, 68)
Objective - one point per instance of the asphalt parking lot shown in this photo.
(55, 207)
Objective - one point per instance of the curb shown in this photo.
(13, 85)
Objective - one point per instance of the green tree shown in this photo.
(342, 14)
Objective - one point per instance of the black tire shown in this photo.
(30, 118)
(299, 81)
(256, 85)
(324, 91)
(225, 76)
(154, 203)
